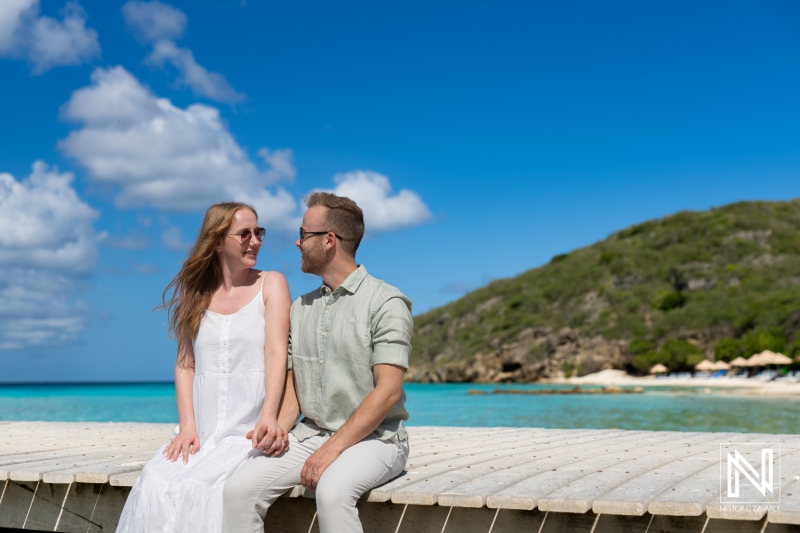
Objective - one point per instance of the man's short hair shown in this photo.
(343, 217)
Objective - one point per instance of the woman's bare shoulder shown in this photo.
(275, 284)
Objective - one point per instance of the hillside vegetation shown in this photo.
(715, 284)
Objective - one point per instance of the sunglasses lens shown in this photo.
(260, 232)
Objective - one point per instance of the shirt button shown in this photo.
(321, 361)
(324, 333)
(327, 307)
(319, 390)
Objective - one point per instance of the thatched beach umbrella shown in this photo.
(720, 365)
(773, 358)
(756, 360)
(739, 361)
(658, 369)
(705, 365)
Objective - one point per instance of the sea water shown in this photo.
(687, 409)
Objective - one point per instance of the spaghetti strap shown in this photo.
(261, 290)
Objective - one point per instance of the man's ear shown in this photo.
(330, 241)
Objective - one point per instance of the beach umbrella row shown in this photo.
(764, 358)
(768, 357)
(708, 366)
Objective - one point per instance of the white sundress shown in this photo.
(228, 393)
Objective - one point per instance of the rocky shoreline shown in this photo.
(537, 354)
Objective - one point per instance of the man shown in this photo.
(349, 348)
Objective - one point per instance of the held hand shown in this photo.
(278, 445)
(186, 442)
(316, 464)
(269, 436)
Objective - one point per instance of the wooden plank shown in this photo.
(485, 477)
(789, 511)
(692, 496)
(579, 495)
(403, 487)
(758, 507)
(633, 497)
(126, 479)
(547, 477)
(476, 492)
(39, 469)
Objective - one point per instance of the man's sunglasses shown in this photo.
(304, 234)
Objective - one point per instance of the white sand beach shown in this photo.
(728, 385)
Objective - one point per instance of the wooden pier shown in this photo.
(76, 477)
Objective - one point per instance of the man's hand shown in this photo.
(316, 464)
(269, 437)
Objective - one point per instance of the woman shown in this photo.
(232, 325)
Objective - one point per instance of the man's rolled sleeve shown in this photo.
(392, 325)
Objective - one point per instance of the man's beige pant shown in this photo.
(260, 480)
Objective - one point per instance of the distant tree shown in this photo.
(677, 354)
(728, 349)
(765, 339)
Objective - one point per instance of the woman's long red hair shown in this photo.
(198, 279)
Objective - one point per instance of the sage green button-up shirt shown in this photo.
(336, 338)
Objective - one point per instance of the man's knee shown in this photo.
(332, 495)
(237, 492)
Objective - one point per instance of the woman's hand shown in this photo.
(186, 442)
(269, 436)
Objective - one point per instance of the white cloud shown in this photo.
(281, 162)
(13, 14)
(44, 41)
(152, 21)
(170, 158)
(202, 82)
(382, 210)
(161, 25)
(47, 245)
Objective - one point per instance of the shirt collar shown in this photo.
(353, 281)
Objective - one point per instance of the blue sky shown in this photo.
(481, 138)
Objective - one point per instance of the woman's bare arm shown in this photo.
(276, 341)
(187, 440)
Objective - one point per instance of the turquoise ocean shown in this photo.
(443, 405)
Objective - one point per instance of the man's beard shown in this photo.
(313, 260)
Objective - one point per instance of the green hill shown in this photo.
(718, 283)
